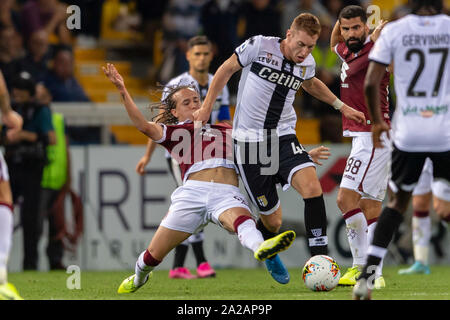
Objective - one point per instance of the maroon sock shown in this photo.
(149, 260)
(240, 220)
(421, 214)
(370, 221)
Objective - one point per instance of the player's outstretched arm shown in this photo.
(320, 91)
(150, 129)
(374, 75)
(142, 163)
(220, 79)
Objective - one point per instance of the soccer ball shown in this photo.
(321, 273)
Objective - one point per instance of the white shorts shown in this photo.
(196, 203)
(4, 175)
(439, 188)
(367, 169)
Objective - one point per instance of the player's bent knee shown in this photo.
(272, 222)
(442, 208)
(347, 200)
(341, 203)
(305, 181)
(311, 189)
(275, 226)
(422, 202)
(371, 208)
(229, 217)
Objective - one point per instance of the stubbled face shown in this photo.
(299, 45)
(187, 101)
(354, 31)
(199, 57)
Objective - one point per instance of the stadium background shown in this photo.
(121, 209)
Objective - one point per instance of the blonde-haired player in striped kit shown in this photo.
(13, 121)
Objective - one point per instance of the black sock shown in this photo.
(370, 267)
(198, 252)
(262, 228)
(387, 224)
(316, 225)
(180, 255)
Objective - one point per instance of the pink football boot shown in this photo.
(181, 273)
(204, 270)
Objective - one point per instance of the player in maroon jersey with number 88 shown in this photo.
(365, 177)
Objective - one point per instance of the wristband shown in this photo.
(337, 104)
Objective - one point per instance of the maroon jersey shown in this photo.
(353, 73)
(198, 149)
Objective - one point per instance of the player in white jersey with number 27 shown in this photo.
(418, 46)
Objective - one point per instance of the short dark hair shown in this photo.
(353, 11)
(198, 41)
(418, 4)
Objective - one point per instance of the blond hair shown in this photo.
(308, 23)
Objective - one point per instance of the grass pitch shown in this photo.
(230, 284)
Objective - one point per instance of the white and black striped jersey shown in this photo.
(221, 106)
(267, 89)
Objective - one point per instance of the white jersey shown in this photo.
(267, 89)
(186, 79)
(419, 48)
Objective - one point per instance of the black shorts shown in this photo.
(261, 172)
(406, 168)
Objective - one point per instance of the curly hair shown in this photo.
(168, 103)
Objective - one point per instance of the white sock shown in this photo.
(370, 233)
(421, 234)
(248, 235)
(141, 270)
(6, 231)
(357, 236)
